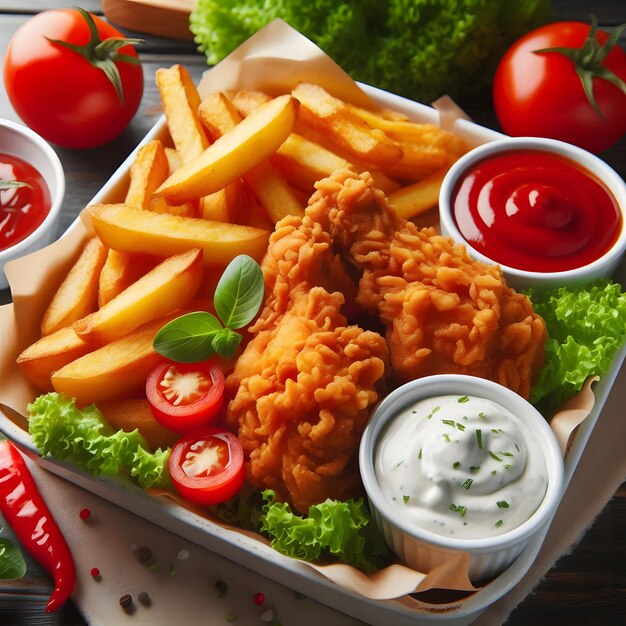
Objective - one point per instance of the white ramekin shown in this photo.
(20, 141)
(522, 279)
(424, 550)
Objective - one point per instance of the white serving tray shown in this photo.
(256, 555)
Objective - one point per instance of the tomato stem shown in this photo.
(103, 54)
(588, 61)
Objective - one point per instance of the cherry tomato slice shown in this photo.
(206, 466)
(185, 396)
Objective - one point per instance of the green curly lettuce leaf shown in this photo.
(586, 328)
(332, 530)
(59, 428)
(417, 48)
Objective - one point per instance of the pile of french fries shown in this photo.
(236, 164)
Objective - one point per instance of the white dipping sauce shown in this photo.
(460, 466)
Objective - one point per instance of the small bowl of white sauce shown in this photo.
(455, 463)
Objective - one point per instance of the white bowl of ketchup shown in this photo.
(549, 213)
(28, 212)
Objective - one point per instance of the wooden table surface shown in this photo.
(586, 587)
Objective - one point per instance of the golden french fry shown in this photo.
(134, 414)
(121, 270)
(115, 370)
(219, 115)
(170, 285)
(304, 162)
(173, 159)
(247, 101)
(223, 204)
(149, 169)
(50, 353)
(78, 293)
(332, 116)
(418, 197)
(315, 136)
(161, 205)
(419, 161)
(180, 103)
(124, 228)
(232, 155)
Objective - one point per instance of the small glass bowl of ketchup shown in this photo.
(549, 213)
(32, 186)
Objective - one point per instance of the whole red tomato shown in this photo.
(60, 71)
(541, 94)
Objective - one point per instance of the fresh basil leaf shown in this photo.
(188, 338)
(226, 342)
(12, 564)
(12, 184)
(239, 293)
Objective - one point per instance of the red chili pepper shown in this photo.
(24, 509)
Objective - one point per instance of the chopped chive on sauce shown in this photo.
(498, 523)
(465, 418)
(474, 468)
(419, 456)
(456, 464)
(482, 416)
(507, 467)
(414, 411)
(496, 431)
(479, 438)
(517, 447)
(506, 453)
(457, 508)
(463, 399)
(400, 463)
(494, 456)
(429, 416)
(449, 423)
(466, 484)
(446, 437)
(460, 426)
(502, 504)
(406, 499)
(493, 472)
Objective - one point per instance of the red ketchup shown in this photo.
(22, 209)
(536, 211)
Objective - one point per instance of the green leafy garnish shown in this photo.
(502, 504)
(12, 184)
(494, 456)
(498, 523)
(58, 427)
(466, 484)
(586, 328)
(457, 508)
(332, 529)
(12, 564)
(423, 48)
(198, 336)
(479, 438)
(463, 399)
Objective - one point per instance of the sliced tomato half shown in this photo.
(185, 396)
(206, 466)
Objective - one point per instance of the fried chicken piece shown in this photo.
(444, 312)
(304, 387)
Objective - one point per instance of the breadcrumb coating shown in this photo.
(444, 312)
(303, 389)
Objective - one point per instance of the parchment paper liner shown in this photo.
(273, 60)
